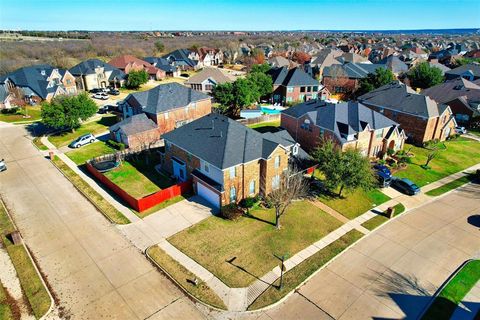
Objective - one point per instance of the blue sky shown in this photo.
(238, 15)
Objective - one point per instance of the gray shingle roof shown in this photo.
(352, 70)
(344, 118)
(160, 63)
(397, 96)
(224, 142)
(180, 57)
(88, 67)
(291, 78)
(394, 64)
(134, 124)
(473, 67)
(164, 97)
(452, 89)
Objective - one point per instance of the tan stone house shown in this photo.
(207, 79)
(94, 73)
(128, 63)
(348, 124)
(226, 160)
(421, 117)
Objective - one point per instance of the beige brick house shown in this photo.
(226, 160)
(420, 116)
(348, 124)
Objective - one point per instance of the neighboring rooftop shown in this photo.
(180, 57)
(394, 64)
(122, 61)
(164, 97)
(473, 68)
(291, 78)
(88, 67)
(217, 75)
(351, 70)
(453, 89)
(224, 142)
(135, 124)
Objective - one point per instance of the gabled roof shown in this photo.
(291, 78)
(160, 63)
(344, 118)
(180, 55)
(394, 64)
(34, 78)
(121, 62)
(88, 67)
(398, 96)
(352, 70)
(472, 67)
(135, 124)
(224, 142)
(217, 75)
(452, 89)
(164, 97)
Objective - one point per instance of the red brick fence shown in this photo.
(146, 202)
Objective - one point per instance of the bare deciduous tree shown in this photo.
(292, 186)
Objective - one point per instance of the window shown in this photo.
(166, 115)
(379, 133)
(295, 149)
(303, 89)
(322, 131)
(233, 194)
(289, 99)
(381, 110)
(276, 182)
(277, 161)
(167, 146)
(205, 167)
(233, 172)
(315, 88)
(289, 89)
(306, 124)
(302, 97)
(251, 188)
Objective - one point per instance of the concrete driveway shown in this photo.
(94, 271)
(392, 272)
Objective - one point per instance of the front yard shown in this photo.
(138, 177)
(458, 155)
(95, 127)
(92, 150)
(252, 242)
(33, 112)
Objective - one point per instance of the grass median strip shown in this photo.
(38, 143)
(185, 278)
(447, 301)
(301, 272)
(382, 218)
(449, 186)
(6, 306)
(103, 205)
(32, 286)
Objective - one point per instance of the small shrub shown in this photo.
(13, 110)
(390, 152)
(231, 212)
(382, 162)
(249, 202)
(116, 145)
(400, 152)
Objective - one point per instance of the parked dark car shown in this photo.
(114, 92)
(406, 186)
(384, 176)
(383, 169)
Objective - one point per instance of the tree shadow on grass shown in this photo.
(266, 129)
(232, 262)
(251, 216)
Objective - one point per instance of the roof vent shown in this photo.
(458, 87)
(42, 72)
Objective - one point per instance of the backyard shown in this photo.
(92, 150)
(458, 155)
(138, 177)
(262, 127)
(95, 127)
(253, 241)
(33, 112)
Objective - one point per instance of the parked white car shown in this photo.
(3, 165)
(82, 140)
(100, 96)
(460, 130)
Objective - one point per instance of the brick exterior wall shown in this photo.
(348, 85)
(295, 95)
(191, 162)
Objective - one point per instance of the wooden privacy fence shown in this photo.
(146, 202)
(264, 118)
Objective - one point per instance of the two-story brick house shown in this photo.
(226, 160)
(420, 116)
(290, 85)
(348, 124)
(39, 82)
(128, 63)
(94, 73)
(169, 106)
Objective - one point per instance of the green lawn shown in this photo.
(449, 186)
(182, 276)
(253, 241)
(89, 151)
(97, 200)
(301, 272)
(459, 155)
(34, 113)
(38, 143)
(139, 178)
(270, 126)
(448, 299)
(94, 127)
(32, 286)
(6, 306)
(380, 219)
(352, 204)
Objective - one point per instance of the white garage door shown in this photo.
(208, 195)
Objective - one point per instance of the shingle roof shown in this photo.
(394, 64)
(165, 97)
(33, 77)
(224, 142)
(134, 124)
(88, 67)
(180, 55)
(160, 63)
(343, 118)
(290, 78)
(122, 61)
(352, 70)
(215, 74)
(452, 89)
(397, 96)
(472, 67)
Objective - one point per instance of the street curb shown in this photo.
(191, 296)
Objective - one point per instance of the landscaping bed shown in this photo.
(253, 241)
(94, 127)
(30, 281)
(382, 218)
(447, 301)
(185, 278)
(293, 278)
(459, 154)
(89, 151)
(97, 200)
